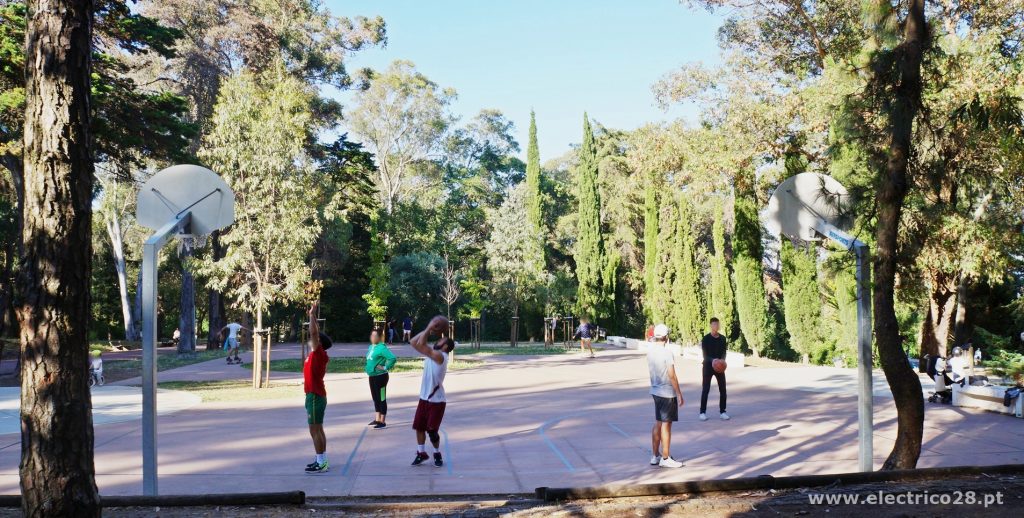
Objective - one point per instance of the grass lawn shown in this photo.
(115, 370)
(517, 351)
(236, 390)
(356, 365)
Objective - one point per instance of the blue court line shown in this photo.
(447, 452)
(353, 454)
(627, 436)
(551, 444)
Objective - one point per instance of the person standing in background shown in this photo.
(407, 329)
(713, 346)
(379, 360)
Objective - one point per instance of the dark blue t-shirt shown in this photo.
(584, 331)
(407, 324)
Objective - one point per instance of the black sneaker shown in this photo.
(317, 468)
(420, 457)
(378, 426)
(373, 423)
(438, 461)
(312, 464)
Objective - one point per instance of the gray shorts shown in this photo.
(666, 409)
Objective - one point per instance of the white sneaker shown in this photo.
(724, 416)
(703, 417)
(669, 462)
(655, 460)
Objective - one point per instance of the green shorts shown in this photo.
(315, 406)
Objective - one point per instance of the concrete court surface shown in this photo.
(517, 423)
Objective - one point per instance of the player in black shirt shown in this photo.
(713, 346)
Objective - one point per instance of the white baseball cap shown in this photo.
(661, 331)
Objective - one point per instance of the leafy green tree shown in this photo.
(513, 253)
(651, 216)
(688, 304)
(379, 273)
(534, 197)
(589, 251)
(801, 298)
(401, 118)
(721, 303)
(751, 299)
(258, 145)
(417, 285)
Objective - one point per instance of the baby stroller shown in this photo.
(96, 372)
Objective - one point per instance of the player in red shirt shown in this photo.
(313, 371)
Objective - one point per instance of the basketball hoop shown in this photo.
(180, 201)
(810, 207)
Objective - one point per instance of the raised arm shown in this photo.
(419, 342)
(314, 326)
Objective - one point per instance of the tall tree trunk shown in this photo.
(187, 317)
(939, 315)
(113, 226)
(892, 191)
(7, 288)
(16, 166)
(57, 471)
(137, 305)
(215, 300)
(960, 327)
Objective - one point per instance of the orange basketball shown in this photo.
(718, 365)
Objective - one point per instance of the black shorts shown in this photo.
(666, 409)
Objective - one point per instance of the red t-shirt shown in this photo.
(313, 372)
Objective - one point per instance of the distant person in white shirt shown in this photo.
(231, 344)
(667, 398)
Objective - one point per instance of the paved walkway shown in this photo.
(518, 423)
(110, 404)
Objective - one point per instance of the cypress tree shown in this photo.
(534, 201)
(686, 295)
(650, 244)
(589, 253)
(751, 300)
(663, 267)
(801, 298)
(721, 304)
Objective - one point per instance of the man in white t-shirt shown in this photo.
(667, 398)
(958, 365)
(232, 342)
(430, 410)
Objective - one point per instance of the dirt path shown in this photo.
(1008, 490)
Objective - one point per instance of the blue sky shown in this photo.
(559, 57)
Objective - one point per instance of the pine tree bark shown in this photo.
(892, 191)
(57, 472)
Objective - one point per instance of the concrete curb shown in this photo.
(763, 482)
(287, 498)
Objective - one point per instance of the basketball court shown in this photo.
(517, 423)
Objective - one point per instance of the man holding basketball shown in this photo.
(713, 346)
(667, 398)
(430, 409)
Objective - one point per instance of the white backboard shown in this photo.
(802, 201)
(177, 189)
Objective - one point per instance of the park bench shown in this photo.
(989, 397)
